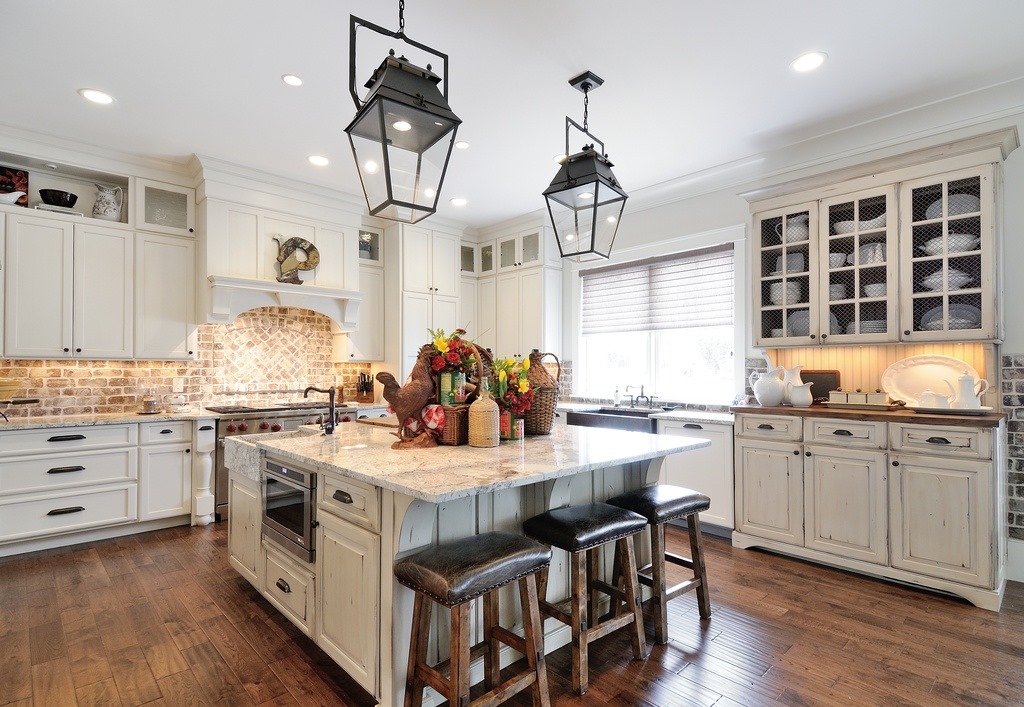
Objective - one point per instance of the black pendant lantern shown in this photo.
(585, 201)
(403, 132)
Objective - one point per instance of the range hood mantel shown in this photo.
(230, 296)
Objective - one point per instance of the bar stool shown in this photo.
(581, 531)
(659, 504)
(454, 573)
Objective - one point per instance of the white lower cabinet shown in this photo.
(919, 503)
(348, 561)
(244, 528)
(708, 470)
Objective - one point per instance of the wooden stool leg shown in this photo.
(417, 650)
(699, 570)
(492, 661)
(593, 573)
(459, 658)
(580, 654)
(617, 606)
(660, 587)
(633, 597)
(533, 631)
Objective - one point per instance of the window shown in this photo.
(665, 323)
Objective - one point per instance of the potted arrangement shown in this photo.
(451, 359)
(513, 393)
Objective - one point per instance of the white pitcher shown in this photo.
(108, 203)
(799, 395)
(790, 375)
(768, 388)
(969, 391)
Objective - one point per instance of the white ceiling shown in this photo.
(688, 84)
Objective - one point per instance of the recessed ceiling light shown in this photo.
(809, 61)
(570, 236)
(371, 167)
(91, 94)
(612, 219)
(318, 160)
(429, 193)
(462, 145)
(401, 126)
(292, 80)
(458, 201)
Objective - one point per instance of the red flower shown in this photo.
(454, 357)
(438, 363)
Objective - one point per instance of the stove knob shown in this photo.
(276, 427)
(265, 425)
(231, 427)
(242, 427)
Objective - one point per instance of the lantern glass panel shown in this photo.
(585, 224)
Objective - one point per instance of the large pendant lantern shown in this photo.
(584, 200)
(403, 132)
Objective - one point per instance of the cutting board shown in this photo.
(821, 382)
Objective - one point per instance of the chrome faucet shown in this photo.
(326, 425)
(633, 401)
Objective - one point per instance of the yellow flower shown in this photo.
(526, 364)
(524, 385)
(441, 344)
(502, 376)
(510, 362)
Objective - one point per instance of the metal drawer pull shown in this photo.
(937, 440)
(65, 511)
(65, 469)
(206, 428)
(65, 438)
(692, 426)
(283, 586)
(842, 433)
(166, 432)
(765, 426)
(342, 496)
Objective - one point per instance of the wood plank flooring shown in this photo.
(161, 619)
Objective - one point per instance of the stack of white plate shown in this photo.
(867, 326)
(961, 316)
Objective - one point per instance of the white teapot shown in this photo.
(768, 388)
(968, 391)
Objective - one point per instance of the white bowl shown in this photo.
(785, 292)
(955, 280)
(876, 289)
(957, 243)
(837, 291)
(956, 204)
(836, 260)
(776, 333)
(11, 197)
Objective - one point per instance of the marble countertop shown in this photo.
(114, 418)
(363, 452)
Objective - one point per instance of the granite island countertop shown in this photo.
(363, 452)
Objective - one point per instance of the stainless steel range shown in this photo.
(260, 419)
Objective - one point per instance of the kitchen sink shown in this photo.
(629, 419)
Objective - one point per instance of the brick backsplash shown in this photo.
(265, 354)
(1013, 407)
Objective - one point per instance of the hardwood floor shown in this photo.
(161, 619)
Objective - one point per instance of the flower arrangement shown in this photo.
(451, 353)
(511, 389)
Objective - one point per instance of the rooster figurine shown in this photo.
(409, 400)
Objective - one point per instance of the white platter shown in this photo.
(950, 411)
(907, 379)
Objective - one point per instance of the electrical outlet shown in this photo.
(178, 385)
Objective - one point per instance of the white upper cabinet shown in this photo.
(366, 343)
(488, 260)
(526, 249)
(430, 261)
(165, 208)
(165, 297)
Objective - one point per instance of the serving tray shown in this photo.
(950, 411)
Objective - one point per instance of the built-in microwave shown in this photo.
(289, 507)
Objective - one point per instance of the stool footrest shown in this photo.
(679, 560)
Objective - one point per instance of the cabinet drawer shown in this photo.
(53, 471)
(62, 439)
(968, 442)
(777, 427)
(290, 589)
(846, 433)
(164, 432)
(352, 500)
(38, 516)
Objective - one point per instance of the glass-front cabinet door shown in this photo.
(165, 208)
(487, 263)
(948, 282)
(786, 283)
(857, 259)
(370, 242)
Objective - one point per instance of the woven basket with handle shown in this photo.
(541, 415)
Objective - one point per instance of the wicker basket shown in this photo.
(541, 414)
(456, 425)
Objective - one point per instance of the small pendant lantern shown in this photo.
(403, 132)
(585, 201)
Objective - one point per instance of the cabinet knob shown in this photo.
(78, 350)
(66, 349)
(824, 336)
(812, 336)
(189, 353)
(807, 454)
(191, 230)
(283, 586)
(188, 451)
(895, 463)
(796, 452)
(906, 332)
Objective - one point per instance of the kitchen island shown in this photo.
(375, 505)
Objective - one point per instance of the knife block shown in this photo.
(366, 397)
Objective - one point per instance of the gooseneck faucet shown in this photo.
(327, 425)
(636, 400)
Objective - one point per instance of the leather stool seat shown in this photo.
(659, 504)
(582, 531)
(454, 573)
(461, 570)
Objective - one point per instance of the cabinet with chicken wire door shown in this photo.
(858, 261)
(785, 276)
(948, 281)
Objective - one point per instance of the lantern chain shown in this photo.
(586, 104)
(401, 17)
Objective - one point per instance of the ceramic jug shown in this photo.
(790, 375)
(799, 395)
(768, 388)
(108, 203)
(797, 228)
(968, 391)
